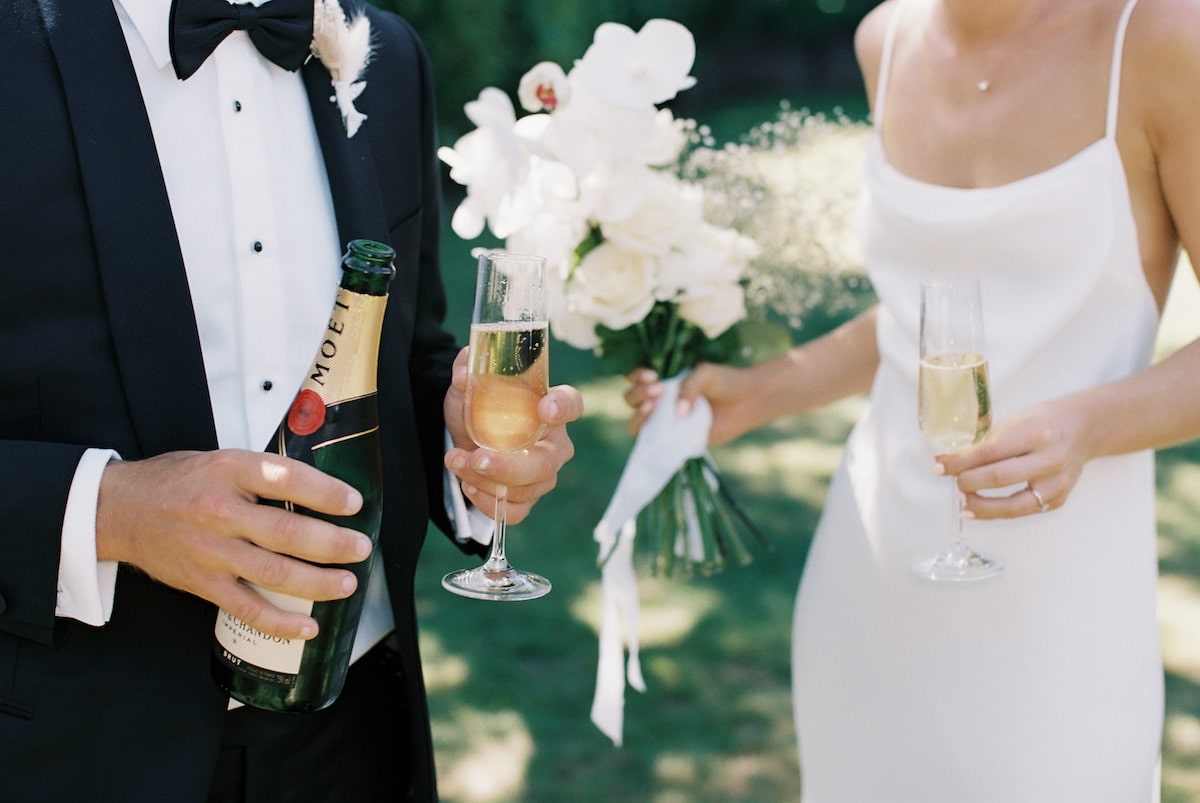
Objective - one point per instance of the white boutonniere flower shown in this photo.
(344, 47)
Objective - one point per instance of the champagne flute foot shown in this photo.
(957, 565)
(507, 584)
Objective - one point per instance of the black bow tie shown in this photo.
(280, 29)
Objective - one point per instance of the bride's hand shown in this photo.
(1043, 449)
(722, 385)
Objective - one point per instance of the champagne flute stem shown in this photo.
(496, 561)
(958, 546)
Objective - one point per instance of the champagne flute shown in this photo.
(953, 404)
(508, 374)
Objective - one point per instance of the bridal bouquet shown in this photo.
(590, 179)
(646, 270)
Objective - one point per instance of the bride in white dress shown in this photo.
(1048, 147)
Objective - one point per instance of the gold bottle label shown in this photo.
(343, 369)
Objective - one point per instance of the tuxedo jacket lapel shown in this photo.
(348, 163)
(137, 249)
(140, 264)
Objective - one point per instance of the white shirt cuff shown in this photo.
(470, 523)
(86, 586)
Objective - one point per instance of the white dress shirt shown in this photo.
(251, 201)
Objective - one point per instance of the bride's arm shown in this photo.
(833, 366)
(1048, 444)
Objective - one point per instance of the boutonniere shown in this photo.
(344, 47)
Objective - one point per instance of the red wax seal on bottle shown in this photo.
(307, 414)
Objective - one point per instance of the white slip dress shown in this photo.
(1044, 685)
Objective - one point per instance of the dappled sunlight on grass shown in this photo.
(1181, 775)
(1179, 621)
(1183, 734)
(800, 469)
(604, 398)
(1179, 558)
(1181, 316)
(491, 754)
(442, 670)
(1179, 511)
(669, 609)
(1179, 491)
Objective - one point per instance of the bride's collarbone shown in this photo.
(990, 142)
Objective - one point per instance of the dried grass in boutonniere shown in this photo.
(344, 47)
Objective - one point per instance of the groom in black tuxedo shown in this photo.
(162, 243)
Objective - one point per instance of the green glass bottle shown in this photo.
(332, 424)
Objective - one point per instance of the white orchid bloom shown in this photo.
(488, 161)
(637, 70)
(544, 88)
(543, 186)
(477, 162)
(614, 190)
(587, 132)
(666, 141)
(554, 233)
(492, 109)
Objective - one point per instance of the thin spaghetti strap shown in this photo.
(885, 65)
(1114, 80)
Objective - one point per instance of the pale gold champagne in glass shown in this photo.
(508, 374)
(953, 404)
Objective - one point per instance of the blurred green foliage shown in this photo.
(760, 48)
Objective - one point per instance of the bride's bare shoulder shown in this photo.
(1164, 35)
(1162, 58)
(868, 41)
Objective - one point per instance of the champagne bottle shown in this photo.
(332, 424)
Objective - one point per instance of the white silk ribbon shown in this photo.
(664, 443)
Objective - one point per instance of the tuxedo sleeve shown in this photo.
(36, 481)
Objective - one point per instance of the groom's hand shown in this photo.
(192, 520)
(529, 474)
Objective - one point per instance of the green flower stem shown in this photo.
(662, 534)
(734, 508)
(679, 537)
(726, 525)
(714, 553)
(669, 345)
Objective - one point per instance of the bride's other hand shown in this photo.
(725, 388)
(1042, 449)
(642, 395)
(831, 367)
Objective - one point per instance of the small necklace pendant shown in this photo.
(983, 86)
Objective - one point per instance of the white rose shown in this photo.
(668, 215)
(613, 285)
(574, 329)
(714, 307)
(710, 255)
